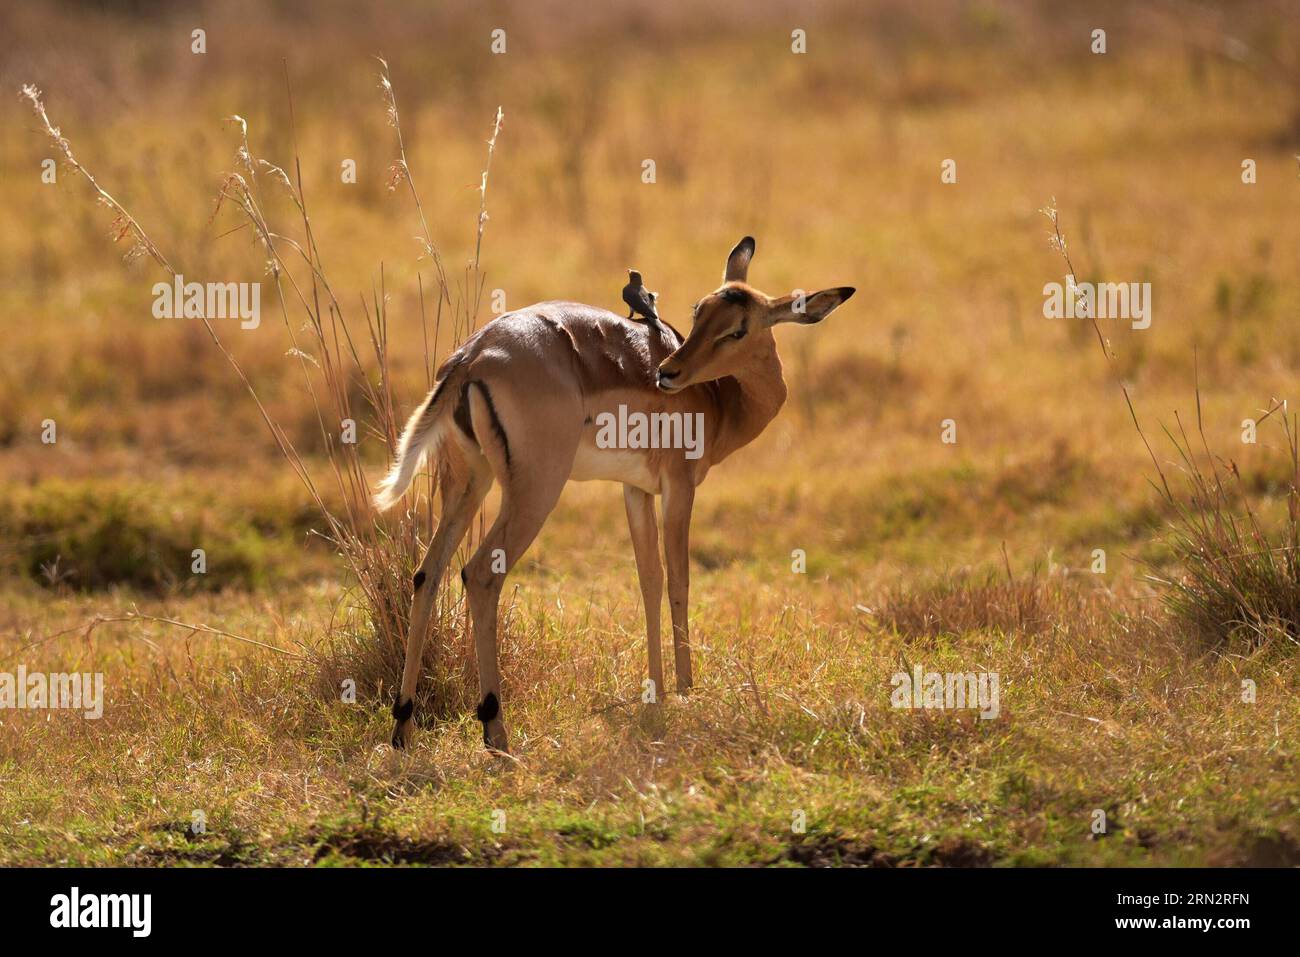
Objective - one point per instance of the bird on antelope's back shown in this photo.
(640, 301)
(519, 405)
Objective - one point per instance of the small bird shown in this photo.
(640, 300)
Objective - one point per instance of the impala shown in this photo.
(519, 403)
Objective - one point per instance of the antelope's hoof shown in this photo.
(495, 738)
(494, 729)
(652, 719)
(402, 712)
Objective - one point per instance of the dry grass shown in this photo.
(1096, 715)
(347, 379)
(961, 602)
(1238, 572)
(972, 557)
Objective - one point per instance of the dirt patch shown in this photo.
(1273, 850)
(371, 844)
(837, 852)
(960, 852)
(186, 847)
(844, 852)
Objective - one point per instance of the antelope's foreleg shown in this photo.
(679, 498)
(650, 571)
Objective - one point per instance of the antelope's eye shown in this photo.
(738, 334)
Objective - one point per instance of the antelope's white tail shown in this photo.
(421, 436)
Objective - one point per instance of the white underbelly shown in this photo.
(629, 466)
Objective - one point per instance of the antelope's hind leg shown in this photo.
(532, 464)
(464, 478)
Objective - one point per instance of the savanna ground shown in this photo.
(973, 556)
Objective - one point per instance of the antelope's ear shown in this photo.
(809, 308)
(738, 261)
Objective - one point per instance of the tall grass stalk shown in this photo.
(1236, 577)
(340, 357)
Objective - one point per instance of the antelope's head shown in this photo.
(732, 328)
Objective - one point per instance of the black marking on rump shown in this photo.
(488, 708)
(419, 579)
(496, 420)
(402, 712)
(460, 415)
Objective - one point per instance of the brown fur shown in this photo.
(532, 386)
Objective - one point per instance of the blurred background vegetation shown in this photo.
(832, 160)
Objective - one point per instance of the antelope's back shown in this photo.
(602, 350)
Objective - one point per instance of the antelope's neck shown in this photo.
(748, 403)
